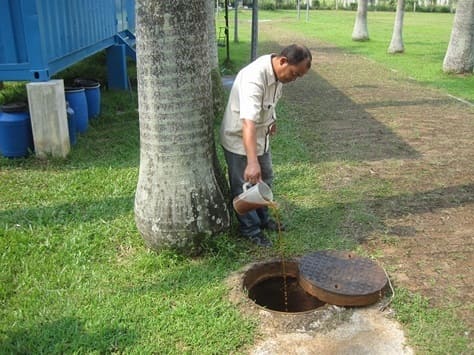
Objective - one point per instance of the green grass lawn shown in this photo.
(76, 277)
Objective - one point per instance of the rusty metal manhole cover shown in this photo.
(341, 278)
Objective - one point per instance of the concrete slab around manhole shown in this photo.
(367, 331)
(326, 330)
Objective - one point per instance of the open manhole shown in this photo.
(265, 286)
(334, 277)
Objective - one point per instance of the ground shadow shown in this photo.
(76, 212)
(337, 128)
(374, 211)
(422, 202)
(65, 336)
(333, 126)
(111, 140)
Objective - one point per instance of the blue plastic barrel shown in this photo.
(77, 101)
(16, 137)
(92, 88)
(71, 124)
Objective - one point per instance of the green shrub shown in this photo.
(429, 8)
(383, 7)
(288, 5)
(324, 5)
(267, 5)
(13, 92)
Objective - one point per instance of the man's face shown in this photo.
(289, 72)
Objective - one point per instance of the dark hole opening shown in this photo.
(270, 294)
(265, 286)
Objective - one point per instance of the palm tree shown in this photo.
(211, 28)
(217, 90)
(218, 95)
(178, 200)
(396, 44)
(459, 57)
(360, 32)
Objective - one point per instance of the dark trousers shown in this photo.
(250, 223)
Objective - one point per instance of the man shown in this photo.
(249, 120)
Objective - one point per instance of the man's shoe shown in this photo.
(271, 225)
(261, 240)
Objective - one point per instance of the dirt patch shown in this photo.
(413, 140)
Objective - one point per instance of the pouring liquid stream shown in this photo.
(276, 212)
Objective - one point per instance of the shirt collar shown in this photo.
(270, 72)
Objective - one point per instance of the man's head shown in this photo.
(293, 62)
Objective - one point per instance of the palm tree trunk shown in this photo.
(211, 27)
(459, 57)
(218, 98)
(217, 89)
(360, 32)
(178, 200)
(396, 44)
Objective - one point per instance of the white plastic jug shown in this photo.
(253, 197)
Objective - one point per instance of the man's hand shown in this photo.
(272, 129)
(253, 173)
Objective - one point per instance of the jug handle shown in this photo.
(246, 185)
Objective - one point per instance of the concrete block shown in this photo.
(47, 105)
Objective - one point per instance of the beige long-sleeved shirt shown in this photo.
(253, 96)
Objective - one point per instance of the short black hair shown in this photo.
(296, 53)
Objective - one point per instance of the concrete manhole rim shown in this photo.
(238, 295)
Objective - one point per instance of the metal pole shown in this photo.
(226, 4)
(307, 10)
(253, 52)
(236, 21)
